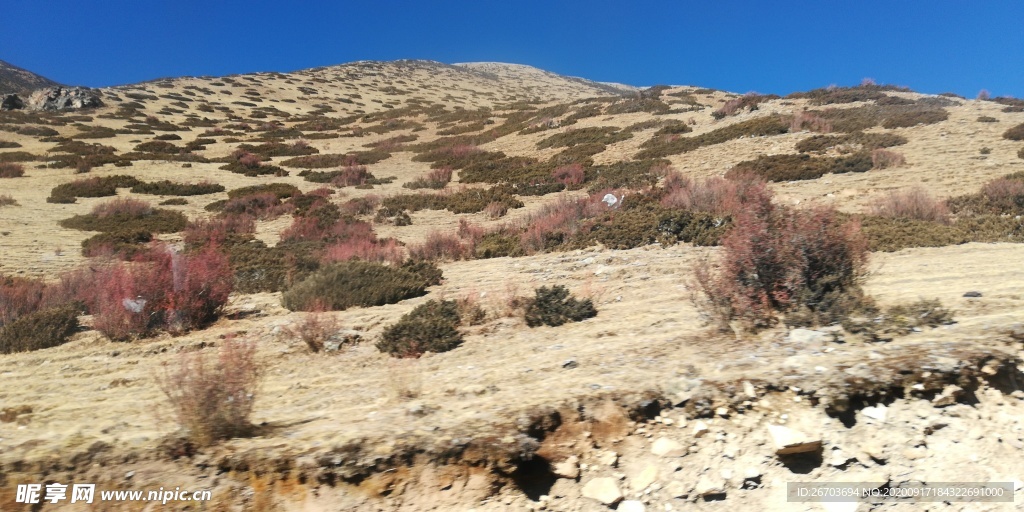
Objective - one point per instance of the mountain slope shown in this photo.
(20, 81)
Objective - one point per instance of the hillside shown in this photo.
(498, 175)
(14, 80)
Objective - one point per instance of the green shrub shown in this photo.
(430, 327)
(802, 166)
(915, 117)
(987, 119)
(464, 201)
(589, 135)
(155, 221)
(554, 306)
(893, 234)
(664, 145)
(91, 187)
(353, 283)
(867, 141)
(898, 320)
(38, 330)
(174, 201)
(1015, 133)
(169, 188)
(272, 149)
(497, 245)
(281, 190)
(125, 244)
(17, 156)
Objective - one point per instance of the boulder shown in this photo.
(63, 98)
(665, 447)
(11, 102)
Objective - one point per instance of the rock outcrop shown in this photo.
(11, 102)
(63, 98)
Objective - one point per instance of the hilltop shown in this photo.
(497, 176)
(14, 80)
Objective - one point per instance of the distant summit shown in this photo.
(14, 80)
(522, 72)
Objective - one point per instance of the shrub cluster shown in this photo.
(429, 327)
(866, 141)
(664, 145)
(470, 200)
(354, 283)
(1015, 133)
(802, 166)
(748, 102)
(554, 306)
(169, 188)
(11, 170)
(127, 215)
(435, 179)
(40, 329)
(91, 187)
(589, 135)
(1000, 196)
(914, 204)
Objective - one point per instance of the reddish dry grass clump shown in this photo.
(915, 203)
(127, 207)
(212, 397)
(366, 249)
(440, 246)
(351, 176)
(11, 170)
(714, 195)
(884, 159)
(571, 175)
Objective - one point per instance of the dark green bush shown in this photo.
(271, 149)
(174, 201)
(915, 117)
(91, 187)
(17, 156)
(497, 245)
(589, 135)
(867, 141)
(169, 188)
(554, 306)
(802, 166)
(889, 234)
(281, 190)
(987, 119)
(38, 330)
(430, 327)
(664, 145)
(125, 244)
(158, 146)
(157, 221)
(353, 283)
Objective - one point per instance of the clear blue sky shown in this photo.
(771, 46)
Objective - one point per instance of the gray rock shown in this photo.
(63, 98)
(972, 294)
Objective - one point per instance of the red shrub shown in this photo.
(19, 296)
(469, 231)
(313, 229)
(785, 261)
(569, 175)
(203, 232)
(883, 159)
(560, 220)
(715, 195)
(496, 209)
(1006, 195)
(125, 206)
(11, 170)
(915, 203)
(261, 206)
(808, 121)
(360, 205)
(351, 176)
(162, 289)
(440, 246)
(383, 251)
(248, 159)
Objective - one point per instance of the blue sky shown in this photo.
(775, 46)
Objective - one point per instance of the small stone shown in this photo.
(665, 447)
(876, 413)
(676, 489)
(788, 441)
(751, 473)
(748, 388)
(644, 479)
(699, 429)
(603, 490)
(972, 294)
(708, 485)
(722, 411)
(631, 506)
(608, 458)
(808, 337)
(949, 396)
(569, 364)
(569, 468)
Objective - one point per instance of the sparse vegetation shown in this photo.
(662, 146)
(913, 204)
(802, 166)
(169, 188)
(11, 170)
(340, 286)
(127, 214)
